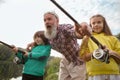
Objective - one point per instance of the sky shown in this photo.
(20, 19)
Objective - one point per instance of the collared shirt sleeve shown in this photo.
(69, 30)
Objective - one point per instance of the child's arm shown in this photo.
(84, 51)
(87, 57)
(20, 55)
(40, 54)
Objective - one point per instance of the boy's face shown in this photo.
(38, 41)
(97, 24)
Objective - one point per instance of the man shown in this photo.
(63, 38)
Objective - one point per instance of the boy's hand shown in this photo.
(15, 49)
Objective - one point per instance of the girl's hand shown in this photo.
(111, 52)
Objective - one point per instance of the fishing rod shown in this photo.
(75, 21)
(19, 50)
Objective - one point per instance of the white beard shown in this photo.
(50, 34)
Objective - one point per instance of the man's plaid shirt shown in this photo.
(66, 42)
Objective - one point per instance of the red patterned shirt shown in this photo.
(66, 42)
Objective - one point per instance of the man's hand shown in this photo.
(82, 30)
(30, 46)
(78, 31)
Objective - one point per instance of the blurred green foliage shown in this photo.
(8, 69)
(52, 68)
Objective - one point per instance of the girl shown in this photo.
(36, 59)
(96, 69)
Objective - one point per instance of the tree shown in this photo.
(118, 36)
(52, 68)
(8, 69)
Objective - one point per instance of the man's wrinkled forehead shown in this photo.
(52, 13)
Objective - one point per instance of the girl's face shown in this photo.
(97, 24)
(38, 40)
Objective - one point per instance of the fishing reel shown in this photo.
(16, 60)
(101, 55)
